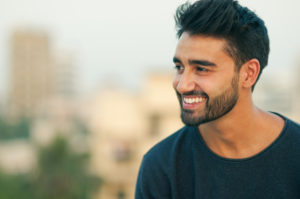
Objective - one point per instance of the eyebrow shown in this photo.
(199, 62)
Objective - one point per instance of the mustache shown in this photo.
(199, 93)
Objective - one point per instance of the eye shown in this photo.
(178, 67)
(201, 69)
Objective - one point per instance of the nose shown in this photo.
(184, 82)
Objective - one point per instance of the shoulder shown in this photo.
(290, 135)
(157, 165)
(292, 128)
(162, 156)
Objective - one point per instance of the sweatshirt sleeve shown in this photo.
(152, 182)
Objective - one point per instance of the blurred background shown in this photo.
(86, 90)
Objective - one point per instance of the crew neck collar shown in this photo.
(212, 154)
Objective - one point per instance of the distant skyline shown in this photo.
(127, 39)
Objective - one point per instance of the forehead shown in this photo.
(201, 46)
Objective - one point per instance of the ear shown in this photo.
(249, 73)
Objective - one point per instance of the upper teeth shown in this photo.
(193, 100)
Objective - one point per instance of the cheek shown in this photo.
(214, 86)
(222, 85)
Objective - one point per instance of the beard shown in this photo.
(215, 107)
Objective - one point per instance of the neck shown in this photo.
(243, 132)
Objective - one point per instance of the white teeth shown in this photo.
(193, 100)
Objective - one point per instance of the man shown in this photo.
(229, 148)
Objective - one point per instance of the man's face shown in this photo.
(206, 82)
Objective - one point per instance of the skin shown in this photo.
(206, 71)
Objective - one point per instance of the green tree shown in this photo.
(63, 174)
(15, 187)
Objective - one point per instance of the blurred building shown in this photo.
(38, 74)
(124, 126)
(31, 72)
(64, 73)
(42, 87)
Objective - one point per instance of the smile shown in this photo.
(193, 99)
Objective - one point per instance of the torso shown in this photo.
(182, 166)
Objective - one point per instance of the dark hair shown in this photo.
(245, 33)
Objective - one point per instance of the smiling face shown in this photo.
(206, 81)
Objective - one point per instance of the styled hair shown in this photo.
(245, 33)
